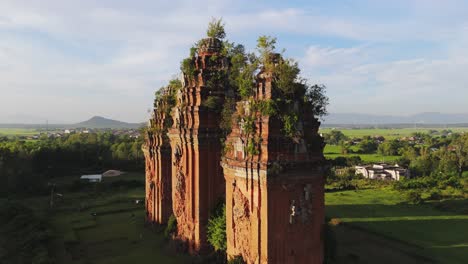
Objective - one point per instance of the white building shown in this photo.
(92, 178)
(382, 171)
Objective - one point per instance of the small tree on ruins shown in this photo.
(216, 29)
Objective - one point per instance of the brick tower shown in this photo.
(157, 151)
(197, 177)
(274, 185)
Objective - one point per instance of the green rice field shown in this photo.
(333, 151)
(389, 133)
(18, 132)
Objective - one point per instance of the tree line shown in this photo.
(425, 155)
(438, 164)
(26, 166)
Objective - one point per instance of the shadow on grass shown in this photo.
(436, 209)
(431, 232)
(439, 239)
(454, 206)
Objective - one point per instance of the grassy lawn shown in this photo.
(116, 234)
(367, 158)
(388, 133)
(440, 234)
(334, 151)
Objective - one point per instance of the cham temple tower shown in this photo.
(268, 167)
(157, 151)
(197, 177)
(274, 184)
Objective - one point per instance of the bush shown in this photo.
(434, 195)
(369, 183)
(417, 183)
(435, 186)
(213, 103)
(187, 66)
(414, 197)
(454, 193)
(334, 221)
(217, 229)
(171, 227)
(350, 161)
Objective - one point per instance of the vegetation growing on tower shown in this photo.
(216, 29)
(165, 100)
(291, 98)
(292, 95)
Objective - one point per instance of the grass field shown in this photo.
(441, 235)
(333, 151)
(377, 225)
(17, 132)
(388, 133)
(116, 234)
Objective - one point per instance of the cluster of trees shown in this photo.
(392, 147)
(25, 166)
(335, 137)
(443, 156)
(437, 163)
(366, 145)
(446, 154)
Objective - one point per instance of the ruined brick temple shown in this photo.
(197, 177)
(272, 183)
(158, 159)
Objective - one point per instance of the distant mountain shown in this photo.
(102, 122)
(422, 118)
(333, 119)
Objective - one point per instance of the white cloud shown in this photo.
(359, 84)
(320, 57)
(67, 60)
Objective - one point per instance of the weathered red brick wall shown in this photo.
(295, 219)
(259, 223)
(149, 183)
(275, 198)
(158, 159)
(197, 177)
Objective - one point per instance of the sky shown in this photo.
(65, 61)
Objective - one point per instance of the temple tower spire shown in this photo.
(158, 158)
(274, 181)
(197, 177)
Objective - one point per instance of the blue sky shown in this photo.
(66, 61)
